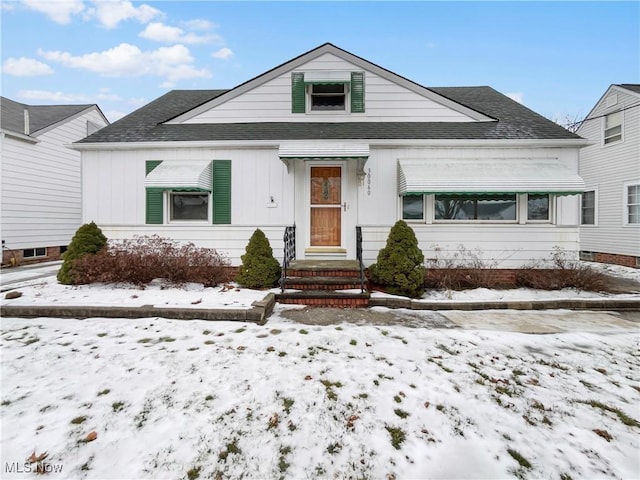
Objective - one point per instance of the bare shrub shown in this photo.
(464, 269)
(145, 258)
(560, 272)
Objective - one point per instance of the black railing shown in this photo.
(289, 252)
(359, 256)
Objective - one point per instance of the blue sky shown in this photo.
(557, 58)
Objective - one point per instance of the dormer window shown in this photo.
(320, 91)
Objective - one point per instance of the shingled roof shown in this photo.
(513, 122)
(40, 116)
(634, 87)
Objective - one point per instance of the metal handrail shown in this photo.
(289, 252)
(359, 256)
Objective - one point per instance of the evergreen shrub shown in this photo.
(88, 240)
(400, 264)
(259, 268)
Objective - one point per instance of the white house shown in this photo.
(41, 181)
(329, 141)
(610, 167)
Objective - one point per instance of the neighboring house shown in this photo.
(329, 141)
(610, 167)
(41, 180)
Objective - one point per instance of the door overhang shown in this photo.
(291, 151)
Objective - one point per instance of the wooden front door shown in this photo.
(326, 206)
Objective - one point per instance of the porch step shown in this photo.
(325, 298)
(319, 284)
(313, 282)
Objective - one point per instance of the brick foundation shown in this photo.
(15, 257)
(611, 258)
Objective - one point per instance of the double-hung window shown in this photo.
(538, 207)
(632, 204)
(327, 91)
(189, 206)
(588, 210)
(612, 128)
(413, 207)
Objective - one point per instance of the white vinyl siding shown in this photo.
(41, 189)
(608, 168)
(632, 204)
(385, 101)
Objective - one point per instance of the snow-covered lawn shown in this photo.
(195, 399)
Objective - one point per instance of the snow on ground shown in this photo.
(196, 399)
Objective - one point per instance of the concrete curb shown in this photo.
(258, 313)
(628, 305)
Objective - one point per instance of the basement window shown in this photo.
(34, 252)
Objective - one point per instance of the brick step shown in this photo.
(322, 283)
(322, 273)
(325, 298)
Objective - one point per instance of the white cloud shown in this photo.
(199, 24)
(517, 96)
(59, 97)
(59, 11)
(111, 12)
(160, 32)
(173, 63)
(26, 67)
(224, 53)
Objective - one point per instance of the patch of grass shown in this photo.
(397, 436)
(193, 473)
(31, 340)
(240, 330)
(206, 332)
(339, 328)
(523, 462)
(166, 339)
(334, 448)
(554, 364)
(209, 342)
(565, 476)
(397, 398)
(401, 413)
(275, 331)
(145, 340)
(287, 403)
(231, 447)
(517, 372)
(353, 342)
(623, 417)
(601, 370)
(302, 331)
(117, 406)
(444, 348)
(328, 385)
(79, 420)
(363, 395)
(5, 403)
(102, 334)
(282, 354)
(208, 397)
(283, 465)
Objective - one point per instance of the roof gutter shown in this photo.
(384, 143)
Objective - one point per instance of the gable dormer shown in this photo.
(329, 84)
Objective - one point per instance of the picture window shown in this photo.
(499, 207)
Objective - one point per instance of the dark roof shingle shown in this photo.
(513, 121)
(40, 116)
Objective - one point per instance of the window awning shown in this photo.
(327, 77)
(181, 175)
(322, 151)
(486, 176)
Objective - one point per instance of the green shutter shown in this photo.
(357, 92)
(154, 206)
(297, 93)
(221, 191)
(154, 201)
(151, 164)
